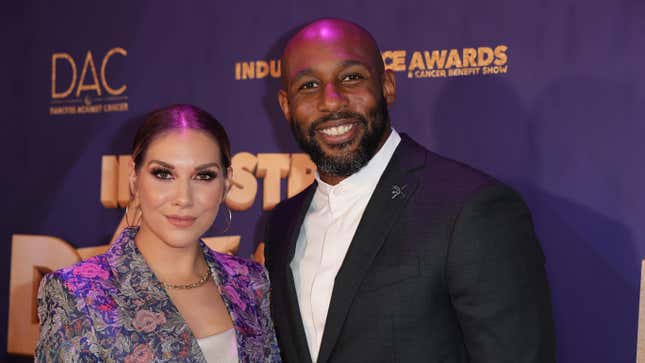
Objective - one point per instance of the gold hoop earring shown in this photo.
(127, 221)
(229, 221)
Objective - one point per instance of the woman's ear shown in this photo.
(132, 181)
(228, 182)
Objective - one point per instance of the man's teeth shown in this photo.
(337, 130)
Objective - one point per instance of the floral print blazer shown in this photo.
(112, 308)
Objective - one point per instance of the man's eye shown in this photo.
(352, 77)
(209, 175)
(163, 174)
(308, 85)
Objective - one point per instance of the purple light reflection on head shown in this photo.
(336, 35)
(324, 33)
(327, 29)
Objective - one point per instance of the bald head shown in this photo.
(330, 32)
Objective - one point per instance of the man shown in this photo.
(394, 254)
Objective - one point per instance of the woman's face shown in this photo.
(179, 186)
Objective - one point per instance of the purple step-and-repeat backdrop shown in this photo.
(546, 95)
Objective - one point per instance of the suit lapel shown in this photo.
(395, 188)
(292, 309)
(299, 213)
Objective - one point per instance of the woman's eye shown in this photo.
(206, 176)
(162, 174)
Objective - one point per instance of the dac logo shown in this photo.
(91, 91)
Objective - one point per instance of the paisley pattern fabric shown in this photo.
(112, 308)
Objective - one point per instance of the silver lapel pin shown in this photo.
(398, 191)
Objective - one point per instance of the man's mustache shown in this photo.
(336, 116)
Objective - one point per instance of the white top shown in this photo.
(325, 236)
(220, 347)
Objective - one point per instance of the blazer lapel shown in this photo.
(395, 188)
(228, 274)
(292, 309)
(138, 289)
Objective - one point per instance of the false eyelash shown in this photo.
(211, 174)
(158, 170)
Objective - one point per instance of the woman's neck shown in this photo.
(174, 265)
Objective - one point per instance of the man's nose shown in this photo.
(333, 99)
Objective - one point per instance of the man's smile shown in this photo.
(338, 131)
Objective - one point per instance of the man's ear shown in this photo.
(283, 100)
(389, 87)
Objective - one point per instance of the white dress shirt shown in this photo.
(325, 236)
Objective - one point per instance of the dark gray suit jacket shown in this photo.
(447, 271)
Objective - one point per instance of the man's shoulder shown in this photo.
(454, 184)
(444, 171)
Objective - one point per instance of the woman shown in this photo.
(159, 293)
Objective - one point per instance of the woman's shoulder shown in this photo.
(91, 273)
(235, 266)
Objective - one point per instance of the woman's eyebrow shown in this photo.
(161, 163)
(207, 165)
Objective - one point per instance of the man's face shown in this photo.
(336, 99)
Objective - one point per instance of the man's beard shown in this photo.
(350, 163)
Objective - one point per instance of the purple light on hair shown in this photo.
(182, 120)
(179, 117)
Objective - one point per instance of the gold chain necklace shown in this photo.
(201, 282)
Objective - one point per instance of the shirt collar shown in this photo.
(368, 176)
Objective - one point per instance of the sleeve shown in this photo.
(66, 334)
(265, 307)
(497, 281)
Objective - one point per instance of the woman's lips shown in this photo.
(181, 221)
